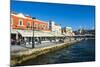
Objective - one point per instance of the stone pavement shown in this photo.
(15, 48)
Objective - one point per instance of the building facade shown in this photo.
(22, 22)
(24, 28)
(54, 27)
(67, 31)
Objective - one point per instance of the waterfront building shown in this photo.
(55, 28)
(26, 29)
(22, 29)
(22, 22)
(67, 31)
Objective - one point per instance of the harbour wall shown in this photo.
(21, 56)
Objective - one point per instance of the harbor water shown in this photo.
(79, 52)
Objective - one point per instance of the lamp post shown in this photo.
(33, 38)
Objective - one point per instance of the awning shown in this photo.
(29, 33)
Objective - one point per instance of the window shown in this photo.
(28, 24)
(20, 22)
(35, 26)
(44, 27)
(11, 21)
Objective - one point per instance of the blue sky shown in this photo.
(64, 14)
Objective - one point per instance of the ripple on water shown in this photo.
(78, 52)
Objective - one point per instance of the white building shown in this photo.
(68, 31)
(55, 28)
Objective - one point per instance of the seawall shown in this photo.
(19, 57)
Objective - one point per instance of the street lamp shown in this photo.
(33, 38)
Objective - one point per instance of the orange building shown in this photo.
(19, 21)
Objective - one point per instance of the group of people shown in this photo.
(16, 41)
(20, 41)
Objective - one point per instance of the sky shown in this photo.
(71, 15)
